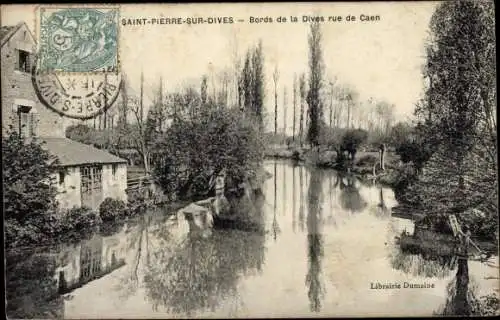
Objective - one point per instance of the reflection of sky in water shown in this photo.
(326, 254)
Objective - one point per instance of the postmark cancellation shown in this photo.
(78, 39)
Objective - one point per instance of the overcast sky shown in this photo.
(380, 59)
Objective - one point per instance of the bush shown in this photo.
(111, 209)
(29, 195)
(79, 219)
(352, 140)
(410, 151)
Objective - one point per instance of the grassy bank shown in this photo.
(362, 166)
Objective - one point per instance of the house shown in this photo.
(86, 175)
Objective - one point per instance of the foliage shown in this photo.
(315, 83)
(28, 189)
(111, 209)
(414, 152)
(457, 122)
(352, 140)
(251, 86)
(460, 68)
(29, 286)
(229, 139)
(81, 133)
(400, 133)
(302, 91)
(79, 219)
(487, 305)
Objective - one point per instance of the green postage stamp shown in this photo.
(78, 39)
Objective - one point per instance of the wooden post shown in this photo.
(382, 156)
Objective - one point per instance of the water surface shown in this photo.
(329, 241)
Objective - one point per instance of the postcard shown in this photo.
(250, 160)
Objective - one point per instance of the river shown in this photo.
(328, 248)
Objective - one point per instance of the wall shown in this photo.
(114, 186)
(17, 85)
(70, 190)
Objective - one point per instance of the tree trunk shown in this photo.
(145, 158)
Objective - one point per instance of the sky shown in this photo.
(380, 59)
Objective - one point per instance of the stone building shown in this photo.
(87, 175)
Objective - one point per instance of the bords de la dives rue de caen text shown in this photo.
(251, 19)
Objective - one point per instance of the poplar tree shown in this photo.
(315, 82)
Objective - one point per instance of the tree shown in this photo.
(302, 89)
(28, 190)
(315, 82)
(352, 140)
(251, 87)
(460, 69)
(294, 105)
(204, 89)
(258, 82)
(247, 86)
(81, 133)
(276, 76)
(229, 141)
(456, 115)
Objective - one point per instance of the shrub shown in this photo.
(79, 219)
(410, 151)
(110, 209)
(352, 140)
(29, 195)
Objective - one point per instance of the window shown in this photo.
(23, 124)
(28, 121)
(23, 61)
(91, 185)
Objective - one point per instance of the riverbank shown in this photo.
(364, 166)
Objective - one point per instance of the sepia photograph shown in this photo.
(250, 160)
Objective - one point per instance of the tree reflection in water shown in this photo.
(423, 265)
(314, 240)
(383, 210)
(301, 201)
(31, 289)
(350, 198)
(460, 296)
(200, 272)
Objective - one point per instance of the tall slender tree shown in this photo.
(315, 82)
(258, 82)
(285, 98)
(302, 90)
(276, 76)
(294, 105)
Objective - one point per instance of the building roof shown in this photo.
(72, 153)
(7, 31)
